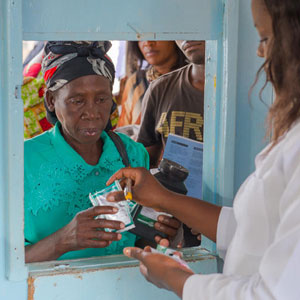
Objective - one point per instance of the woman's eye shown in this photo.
(102, 99)
(76, 101)
(264, 40)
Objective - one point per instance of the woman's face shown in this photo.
(263, 24)
(83, 108)
(158, 52)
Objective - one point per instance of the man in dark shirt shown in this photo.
(174, 103)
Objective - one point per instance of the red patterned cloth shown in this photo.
(35, 121)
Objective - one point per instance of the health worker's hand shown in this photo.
(146, 190)
(160, 269)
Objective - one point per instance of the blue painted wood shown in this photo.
(118, 19)
(13, 139)
(105, 282)
(224, 191)
(213, 54)
(11, 212)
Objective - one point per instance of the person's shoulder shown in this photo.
(291, 142)
(172, 76)
(135, 77)
(38, 143)
(136, 151)
(132, 78)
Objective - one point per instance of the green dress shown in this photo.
(57, 182)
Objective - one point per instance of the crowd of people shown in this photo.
(258, 237)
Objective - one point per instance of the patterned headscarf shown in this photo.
(65, 61)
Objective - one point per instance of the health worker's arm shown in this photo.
(197, 214)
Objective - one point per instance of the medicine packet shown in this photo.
(170, 253)
(123, 214)
(149, 216)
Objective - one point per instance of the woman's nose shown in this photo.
(260, 52)
(90, 112)
(148, 43)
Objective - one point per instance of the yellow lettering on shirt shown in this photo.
(163, 126)
(187, 121)
(174, 122)
(193, 121)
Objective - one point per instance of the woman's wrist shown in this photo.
(60, 243)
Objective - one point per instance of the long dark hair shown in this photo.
(283, 65)
(135, 57)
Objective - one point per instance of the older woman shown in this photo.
(75, 158)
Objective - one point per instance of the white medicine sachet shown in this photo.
(149, 216)
(170, 253)
(123, 214)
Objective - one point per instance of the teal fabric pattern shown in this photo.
(57, 182)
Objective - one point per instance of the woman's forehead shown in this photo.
(261, 16)
(95, 81)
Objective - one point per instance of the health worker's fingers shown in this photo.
(134, 252)
(162, 242)
(115, 196)
(125, 172)
(144, 270)
(147, 249)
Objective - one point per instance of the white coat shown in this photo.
(260, 236)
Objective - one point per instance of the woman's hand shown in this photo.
(198, 234)
(84, 231)
(169, 226)
(146, 190)
(160, 269)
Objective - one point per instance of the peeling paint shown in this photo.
(31, 288)
(77, 271)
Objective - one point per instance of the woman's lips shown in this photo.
(151, 53)
(90, 131)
